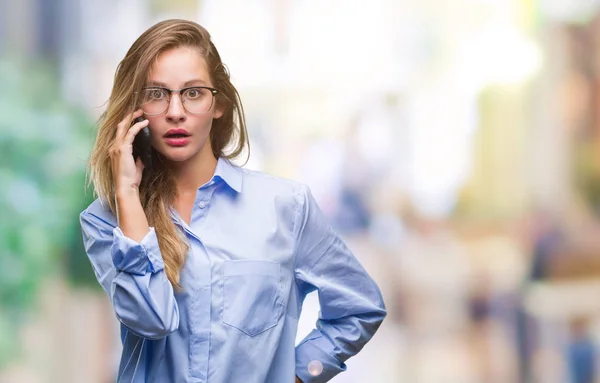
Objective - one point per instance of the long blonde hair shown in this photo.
(157, 189)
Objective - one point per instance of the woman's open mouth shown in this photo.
(177, 137)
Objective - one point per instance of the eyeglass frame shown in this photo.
(213, 92)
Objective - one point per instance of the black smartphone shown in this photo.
(142, 147)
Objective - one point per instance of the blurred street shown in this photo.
(454, 145)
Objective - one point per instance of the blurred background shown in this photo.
(454, 145)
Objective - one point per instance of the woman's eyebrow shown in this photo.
(187, 83)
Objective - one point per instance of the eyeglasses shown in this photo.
(195, 99)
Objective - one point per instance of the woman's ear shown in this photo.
(219, 110)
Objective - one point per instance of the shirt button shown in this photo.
(315, 368)
(202, 204)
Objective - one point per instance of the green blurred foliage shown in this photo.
(44, 146)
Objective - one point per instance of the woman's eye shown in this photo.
(193, 93)
(157, 94)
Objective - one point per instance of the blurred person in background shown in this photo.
(207, 264)
(581, 352)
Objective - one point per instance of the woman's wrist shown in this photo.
(126, 192)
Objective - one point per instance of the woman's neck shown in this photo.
(192, 174)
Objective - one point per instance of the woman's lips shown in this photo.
(177, 137)
(177, 140)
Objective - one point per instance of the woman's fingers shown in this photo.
(135, 129)
(124, 125)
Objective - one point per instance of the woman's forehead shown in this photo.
(179, 66)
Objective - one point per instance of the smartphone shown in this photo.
(142, 147)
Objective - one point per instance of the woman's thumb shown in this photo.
(139, 164)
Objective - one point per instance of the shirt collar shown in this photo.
(230, 173)
(226, 171)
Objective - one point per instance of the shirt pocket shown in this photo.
(252, 295)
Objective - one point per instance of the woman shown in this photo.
(207, 264)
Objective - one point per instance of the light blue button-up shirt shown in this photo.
(258, 245)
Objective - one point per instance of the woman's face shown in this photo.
(177, 134)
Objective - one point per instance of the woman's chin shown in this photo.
(177, 155)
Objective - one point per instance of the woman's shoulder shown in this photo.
(97, 210)
(269, 184)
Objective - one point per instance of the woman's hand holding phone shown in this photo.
(127, 172)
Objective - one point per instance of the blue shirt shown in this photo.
(258, 245)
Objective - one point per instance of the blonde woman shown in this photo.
(207, 264)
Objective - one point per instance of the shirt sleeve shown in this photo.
(351, 304)
(133, 276)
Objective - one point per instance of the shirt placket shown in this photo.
(200, 303)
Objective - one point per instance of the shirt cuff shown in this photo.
(315, 360)
(136, 257)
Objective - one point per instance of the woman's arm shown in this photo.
(132, 274)
(124, 252)
(127, 176)
(130, 214)
(351, 304)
